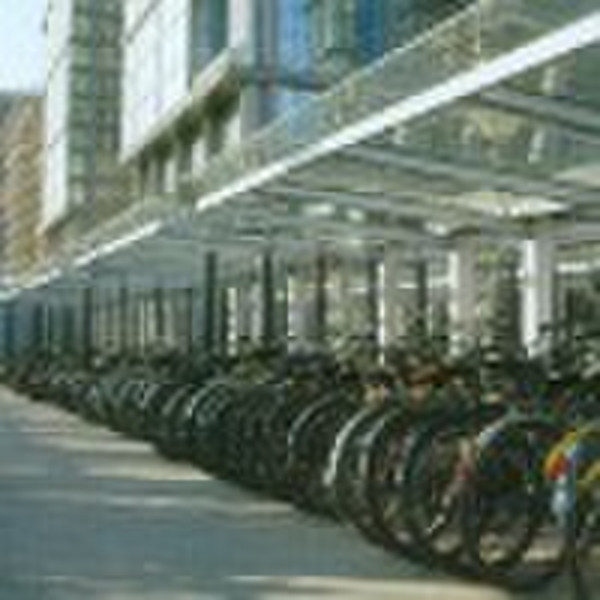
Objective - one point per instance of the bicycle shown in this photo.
(573, 470)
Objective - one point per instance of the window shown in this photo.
(286, 100)
(370, 29)
(77, 193)
(82, 25)
(331, 25)
(78, 166)
(209, 27)
(294, 34)
(107, 57)
(81, 56)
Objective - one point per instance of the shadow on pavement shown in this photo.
(85, 514)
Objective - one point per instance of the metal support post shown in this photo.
(67, 327)
(421, 325)
(373, 262)
(170, 336)
(104, 318)
(144, 320)
(188, 318)
(211, 300)
(10, 315)
(538, 259)
(100, 319)
(124, 319)
(244, 312)
(391, 325)
(113, 322)
(87, 325)
(50, 328)
(37, 325)
(321, 297)
(292, 320)
(223, 321)
(282, 300)
(344, 296)
(107, 323)
(268, 291)
(255, 300)
(462, 261)
(159, 315)
(134, 317)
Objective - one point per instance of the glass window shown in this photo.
(209, 27)
(77, 193)
(286, 100)
(107, 57)
(332, 27)
(370, 29)
(339, 18)
(78, 165)
(81, 56)
(82, 25)
(294, 34)
(81, 82)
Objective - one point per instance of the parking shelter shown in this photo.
(449, 188)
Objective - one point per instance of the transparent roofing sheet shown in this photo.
(476, 36)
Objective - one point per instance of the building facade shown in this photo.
(22, 187)
(7, 102)
(349, 34)
(201, 75)
(82, 178)
(156, 88)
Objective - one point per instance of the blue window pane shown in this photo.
(370, 29)
(289, 100)
(294, 34)
(209, 26)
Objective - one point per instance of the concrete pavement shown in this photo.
(87, 514)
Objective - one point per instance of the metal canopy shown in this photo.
(488, 45)
(488, 123)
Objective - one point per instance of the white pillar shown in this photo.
(233, 316)
(537, 261)
(256, 312)
(244, 311)
(294, 316)
(462, 294)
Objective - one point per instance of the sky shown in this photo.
(21, 44)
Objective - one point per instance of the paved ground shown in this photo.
(85, 514)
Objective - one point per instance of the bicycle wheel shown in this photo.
(378, 503)
(506, 523)
(310, 439)
(583, 547)
(341, 473)
(435, 472)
